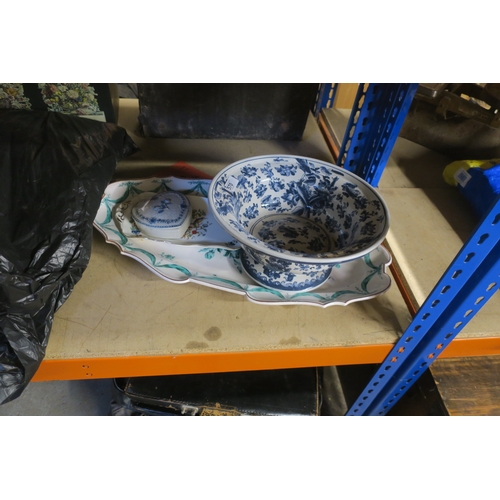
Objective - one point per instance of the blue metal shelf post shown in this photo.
(376, 119)
(325, 98)
(470, 280)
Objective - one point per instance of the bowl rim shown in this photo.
(265, 248)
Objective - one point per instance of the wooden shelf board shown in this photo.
(469, 386)
(120, 308)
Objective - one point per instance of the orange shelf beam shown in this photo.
(137, 366)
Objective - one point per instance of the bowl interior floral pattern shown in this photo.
(276, 203)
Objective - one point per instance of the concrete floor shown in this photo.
(62, 398)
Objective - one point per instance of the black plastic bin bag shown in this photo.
(53, 171)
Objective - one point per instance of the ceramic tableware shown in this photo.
(214, 263)
(297, 217)
(164, 216)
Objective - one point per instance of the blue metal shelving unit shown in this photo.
(470, 280)
(325, 98)
(377, 116)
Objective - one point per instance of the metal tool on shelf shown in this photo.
(479, 102)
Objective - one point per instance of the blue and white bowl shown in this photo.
(296, 217)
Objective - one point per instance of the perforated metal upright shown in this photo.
(470, 280)
(376, 119)
(325, 97)
(468, 283)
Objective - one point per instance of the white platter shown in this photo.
(210, 260)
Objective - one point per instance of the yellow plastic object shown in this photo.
(451, 169)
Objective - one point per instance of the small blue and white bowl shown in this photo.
(296, 218)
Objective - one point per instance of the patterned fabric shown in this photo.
(72, 98)
(12, 96)
(69, 98)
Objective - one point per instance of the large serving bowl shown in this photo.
(296, 217)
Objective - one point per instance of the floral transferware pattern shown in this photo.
(295, 234)
(168, 212)
(258, 189)
(281, 274)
